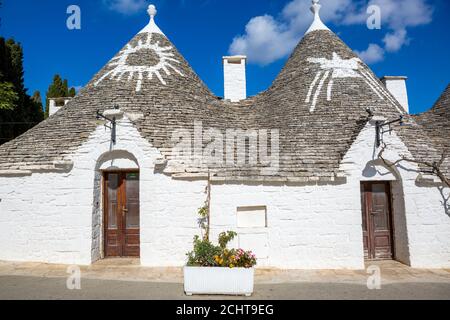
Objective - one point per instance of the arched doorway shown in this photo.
(385, 234)
(118, 217)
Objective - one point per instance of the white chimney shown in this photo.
(397, 87)
(234, 78)
(53, 104)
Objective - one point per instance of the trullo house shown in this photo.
(325, 169)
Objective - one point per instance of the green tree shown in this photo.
(72, 92)
(59, 88)
(37, 99)
(19, 112)
(8, 96)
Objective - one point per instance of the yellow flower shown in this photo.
(231, 266)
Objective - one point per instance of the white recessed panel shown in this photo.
(252, 217)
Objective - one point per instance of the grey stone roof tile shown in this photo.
(315, 132)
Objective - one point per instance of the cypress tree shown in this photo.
(72, 92)
(19, 112)
(59, 88)
(8, 96)
(37, 97)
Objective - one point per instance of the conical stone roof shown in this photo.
(442, 106)
(436, 122)
(317, 103)
(147, 72)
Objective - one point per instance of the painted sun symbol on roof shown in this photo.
(145, 59)
(341, 68)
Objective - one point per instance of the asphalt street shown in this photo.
(24, 288)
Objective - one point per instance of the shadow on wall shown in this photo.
(372, 170)
(445, 202)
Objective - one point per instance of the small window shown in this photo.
(252, 217)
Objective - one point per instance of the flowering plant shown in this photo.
(206, 254)
(235, 259)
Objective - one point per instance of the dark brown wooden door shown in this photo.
(121, 214)
(377, 223)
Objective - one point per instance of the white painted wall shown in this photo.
(56, 217)
(421, 221)
(319, 226)
(309, 226)
(428, 226)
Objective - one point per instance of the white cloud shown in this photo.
(267, 38)
(400, 14)
(126, 6)
(373, 54)
(394, 41)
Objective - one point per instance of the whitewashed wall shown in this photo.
(309, 226)
(57, 218)
(428, 226)
(319, 226)
(421, 219)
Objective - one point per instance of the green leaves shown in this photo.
(59, 88)
(18, 111)
(203, 253)
(8, 96)
(225, 238)
(203, 211)
(206, 254)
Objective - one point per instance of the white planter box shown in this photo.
(221, 281)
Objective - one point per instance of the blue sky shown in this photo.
(413, 39)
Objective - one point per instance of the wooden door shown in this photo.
(377, 222)
(121, 214)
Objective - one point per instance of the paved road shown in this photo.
(17, 287)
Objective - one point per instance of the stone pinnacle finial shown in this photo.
(317, 23)
(152, 27)
(315, 8)
(152, 11)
